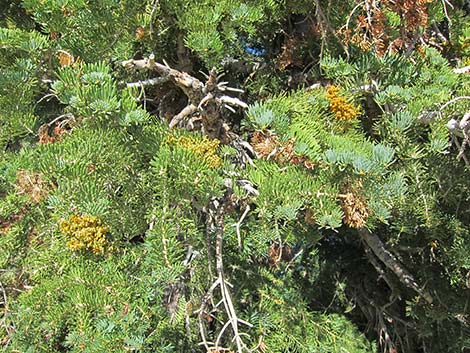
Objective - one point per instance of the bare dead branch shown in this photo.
(227, 299)
(233, 101)
(248, 186)
(459, 146)
(382, 273)
(152, 14)
(202, 312)
(462, 70)
(464, 122)
(149, 82)
(446, 12)
(229, 108)
(223, 88)
(188, 110)
(390, 261)
(215, 225)
(465, 143)
(460, 129)
(205, 100)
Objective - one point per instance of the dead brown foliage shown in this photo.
(46, 136)
(32, 184)
(277, 254)
(354, 206)
(266, 145)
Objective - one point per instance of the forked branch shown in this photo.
(216, 220)
(206, 101)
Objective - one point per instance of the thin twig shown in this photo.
(322, 20)
(352, 13)
(444, 6)
(8, 327)
(457, 143)
(239, 223)
(219, 219)
(164, 243)
(278, 260)
(465, 143)
(50, 95)
(233, 101)
(68, 115)
(152, 13)
(452, 101)
(230, 108)
(462, 70)
(391, 262)
(412, 45)
(202, 311)
(188, 110)
(222, 330)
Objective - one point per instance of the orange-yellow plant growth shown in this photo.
(85, 233)
(205, 149)
(339, 106)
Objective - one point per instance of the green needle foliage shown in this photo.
(331, 215)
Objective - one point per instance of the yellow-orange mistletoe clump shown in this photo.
(85, 233)
(205, 149)
(339, 106)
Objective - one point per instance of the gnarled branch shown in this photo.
(205, 100)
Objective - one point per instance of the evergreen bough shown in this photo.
(142, 210)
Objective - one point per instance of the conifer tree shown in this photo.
(234, 176)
